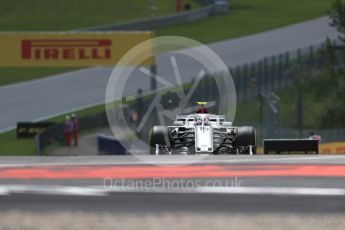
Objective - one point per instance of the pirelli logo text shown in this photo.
(66, 49)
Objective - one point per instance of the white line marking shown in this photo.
(52, 190)
(3, 191)
(7, 129)
(274, 191)
(92, 162)
(102, 191)
(296, 191)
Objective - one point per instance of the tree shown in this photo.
(337, 14)
(334, 110)
(334, 79)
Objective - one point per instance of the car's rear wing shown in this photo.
(184, 117)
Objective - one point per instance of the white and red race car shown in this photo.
(202, 133)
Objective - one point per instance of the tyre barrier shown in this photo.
(291, 146)
(107, 145)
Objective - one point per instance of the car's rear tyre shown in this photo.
(246, 136)
(159, 136)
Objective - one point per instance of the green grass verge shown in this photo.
(248, 17)
(53, 15)
(11, 146)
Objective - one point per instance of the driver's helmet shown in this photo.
(202, 108)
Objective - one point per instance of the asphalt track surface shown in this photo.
(52, 96)
(306, 184)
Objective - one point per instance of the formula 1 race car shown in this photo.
(202, 133)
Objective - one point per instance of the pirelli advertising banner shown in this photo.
(68, 48)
